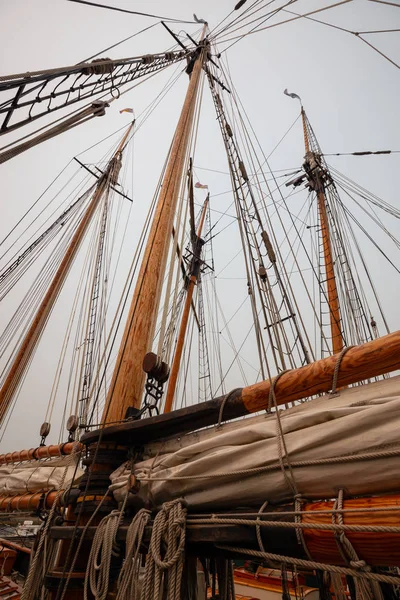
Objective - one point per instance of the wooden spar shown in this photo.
(306, 142)
(127, 383)
(27, 502)
(366, 361)
(333, 298)
(361, 362)
(38, 324)
(40, 452)
(184, 322)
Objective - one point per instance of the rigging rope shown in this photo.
(131, 12)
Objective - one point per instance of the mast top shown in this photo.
(303, 116)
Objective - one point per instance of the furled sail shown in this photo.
(331, 442)
(39, 475)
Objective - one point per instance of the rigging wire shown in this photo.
(120, 42)
(131, 12)
(258, 28)
(355, 33)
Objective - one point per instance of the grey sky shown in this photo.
(350, 93)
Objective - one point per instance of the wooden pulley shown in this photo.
(45, 429)
(72, 423)
(155, 367)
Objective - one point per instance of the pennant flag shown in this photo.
(201, 186)
(128, 110)
(291, 95)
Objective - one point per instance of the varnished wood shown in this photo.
(361, 362)
(333, 298)
(378, 549)
(26, 502)
(128, 379)
(173, 378)
(40, 452)
(35, 330)
(366, 361)
(331, 287)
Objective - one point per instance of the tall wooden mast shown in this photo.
(316, 178)
(127, 383)
(32, 336)
(185, 316)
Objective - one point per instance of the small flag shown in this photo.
(291, 95)
(128, 110)
(201, 186)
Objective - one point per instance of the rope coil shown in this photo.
(169, 531)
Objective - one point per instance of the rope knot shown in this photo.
(360, 564)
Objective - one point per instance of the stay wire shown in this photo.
(355, 33)
(130, 12)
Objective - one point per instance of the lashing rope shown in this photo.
(339, 359)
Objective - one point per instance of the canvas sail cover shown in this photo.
(206, 467)
(38, 475)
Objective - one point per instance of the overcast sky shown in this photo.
(350, 93)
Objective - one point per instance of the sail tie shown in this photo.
(224, 401)
(334, 392)
(365, 590)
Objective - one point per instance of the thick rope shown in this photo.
(169, 532)
(258, 528)
(365, 590)
(104, 547)
(129, 577)
(290, 524)
(313, 565)
(336, 371)
(224, 401)
(338, 587)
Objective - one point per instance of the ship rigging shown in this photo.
(145, 359)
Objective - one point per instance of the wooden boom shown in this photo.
(362, 362)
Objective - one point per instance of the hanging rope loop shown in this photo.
(225, 400)
(334, 392)
(164, 565)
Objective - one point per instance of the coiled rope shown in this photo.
(169, 532)
(104, 547)
(129, 577)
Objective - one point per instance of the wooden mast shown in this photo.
(38, 324)
(127, 384)
(316, 178)
(185, 317)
